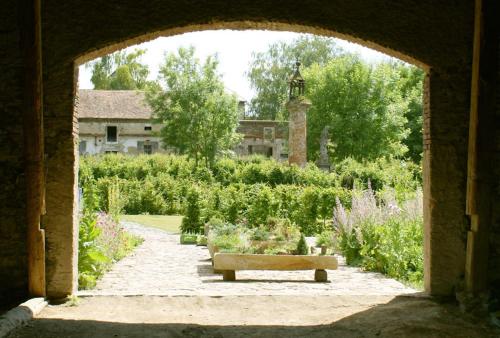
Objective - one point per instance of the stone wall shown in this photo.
(255, 128)
(435, 35)
(125, 127)
(130, 132)
(13, 268)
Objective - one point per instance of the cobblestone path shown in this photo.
(161, 266)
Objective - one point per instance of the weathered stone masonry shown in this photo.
(13, 269)
(436, 35)
(297, 130)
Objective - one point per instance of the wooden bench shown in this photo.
(229, 263)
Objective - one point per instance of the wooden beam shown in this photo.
(33, 144)
(481, 130)
(473, 116)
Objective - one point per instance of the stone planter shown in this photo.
(212, 249)
(229, 263)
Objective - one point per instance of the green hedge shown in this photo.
(250, 190)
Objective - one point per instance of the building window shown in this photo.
(148, 128)
(268, 134)
(111, 152)
(250, 150)
(82, 147)
(111, 134)
(148, 149)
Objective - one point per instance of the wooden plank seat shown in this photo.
(228, 263)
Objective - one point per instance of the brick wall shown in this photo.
(13, 270)
(434, 34)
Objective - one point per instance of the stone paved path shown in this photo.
(161, 266)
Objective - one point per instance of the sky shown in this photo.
(234, 50)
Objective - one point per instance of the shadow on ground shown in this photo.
(206, 270)
(249, 280)
(400, 317)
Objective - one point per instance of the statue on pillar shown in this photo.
(324, 160)
(297, 107)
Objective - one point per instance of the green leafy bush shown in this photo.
(102, 241)
(307, 214)
(326, 239)
(188, 238)
(201, 240)
(230, 238)
(382, 236)
(262, 204)
(192, 219)
(254, 192)
(276, 236)
(91, 258)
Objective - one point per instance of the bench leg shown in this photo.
(320, 276)
(229, 275)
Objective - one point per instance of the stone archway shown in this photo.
(74, 32)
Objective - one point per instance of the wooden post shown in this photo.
(33, 145)
(481, 129)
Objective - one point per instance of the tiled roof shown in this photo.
(112, 104)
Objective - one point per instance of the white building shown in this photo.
(120, 121)
(115, 121)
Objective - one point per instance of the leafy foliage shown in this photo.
(411, 84)
(199, 118)
(326, 239)
(370, 110)
(361, 105)
(101, 242)
(91, 257)
(191, 221)
(383, 236)
(249, 191)
(276, 236)
(302, 248)
(121, 70)
(377, 218)
(270, 70)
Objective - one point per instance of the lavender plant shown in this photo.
(379, 235)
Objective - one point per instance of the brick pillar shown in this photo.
(297, 131)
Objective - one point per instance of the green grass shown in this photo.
(167, 223)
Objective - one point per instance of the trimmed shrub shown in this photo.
(302, 248)
(191, 223)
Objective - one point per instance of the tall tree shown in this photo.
(412, 79)
(199, 118)
(361, 104)
(270, 70)
(120, 71)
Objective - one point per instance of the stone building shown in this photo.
(42, 43)
(263, 137)
(115, 121)
(119, 121)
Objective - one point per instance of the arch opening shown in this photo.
(399, 28)
(114, 47)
